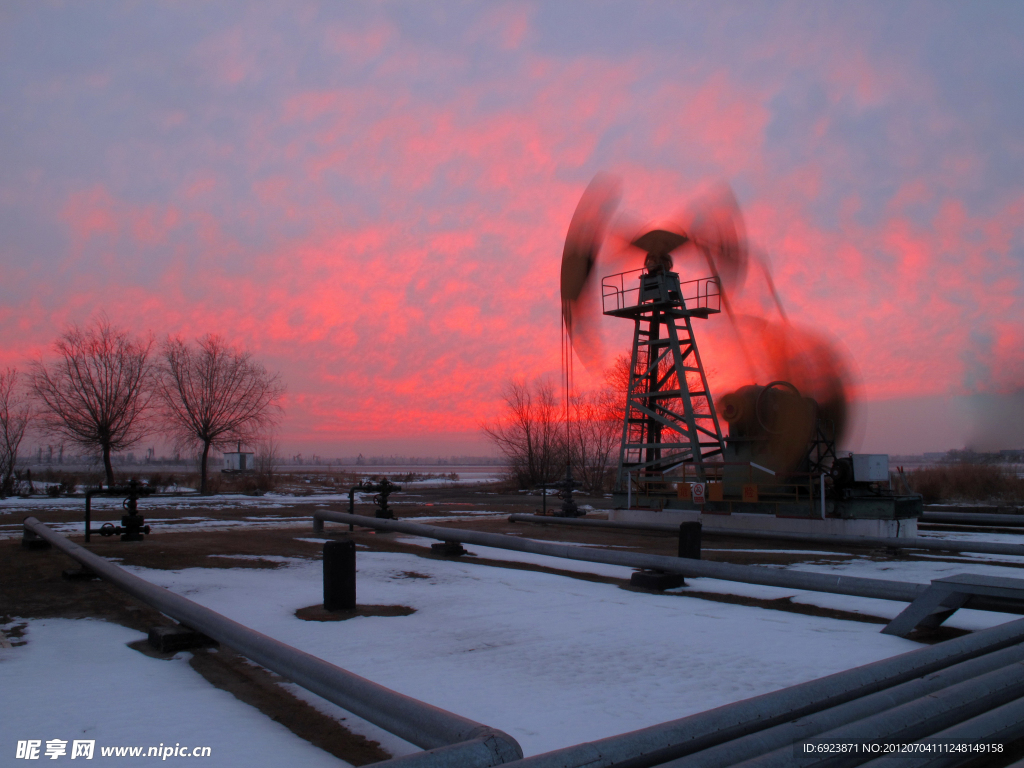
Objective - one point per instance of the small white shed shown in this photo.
(239, 461)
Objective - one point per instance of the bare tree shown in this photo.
(530, 433)
(98, 392)
(268, 458)
(616, 381)
(213, 394)
(595, 430)
(15, 414)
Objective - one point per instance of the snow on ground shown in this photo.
(79, 680)
(170, 525)
(991, 536)
(921, 572)
(193, 523)
(220, 501)
(551, 660)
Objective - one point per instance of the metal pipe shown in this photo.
(822, 478)
(1000, 725)
(750, 574)
(520, 517)
(658, 744)
(800, 699)
(908, 722)
(486, 750)
(415, 721)
(782, 737)
(903, 542)
(969, 518)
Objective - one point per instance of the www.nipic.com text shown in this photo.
(34, 749)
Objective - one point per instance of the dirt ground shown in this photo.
(184, 536)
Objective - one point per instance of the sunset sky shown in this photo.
(372, 198)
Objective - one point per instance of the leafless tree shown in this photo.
(97, 394)
(213, 394)
(268, 458)
(595, 430)
(15, 414)
(530, 433)
(616, 380)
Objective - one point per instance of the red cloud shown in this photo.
(390, 239)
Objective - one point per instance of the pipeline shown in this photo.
(751, 574)
(925, 688)
(987, 682)
(904, 721)
(911, 721)
(1002, 724)
(903, 542)
(422, 724)
(970, 518)
(668, 741)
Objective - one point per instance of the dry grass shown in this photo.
(306, 484)
(967, 482)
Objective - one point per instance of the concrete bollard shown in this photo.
(339, 576)
(689, 540)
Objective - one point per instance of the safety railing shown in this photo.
(794, 488)
(616, 293)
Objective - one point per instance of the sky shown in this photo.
(373, 198)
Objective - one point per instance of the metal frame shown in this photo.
(822, 451)
(132, 490)
(942, 599)
(666, 376)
